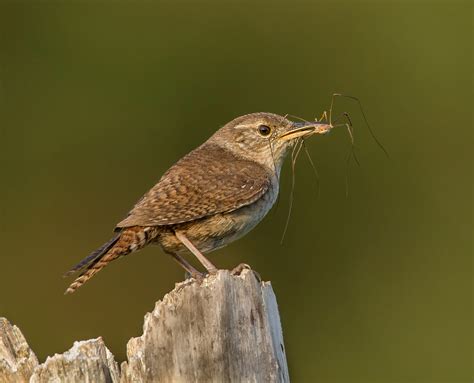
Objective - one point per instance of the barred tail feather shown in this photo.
(93, 256)
(128, 241)
(91, 270)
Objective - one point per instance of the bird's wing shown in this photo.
(207, 181)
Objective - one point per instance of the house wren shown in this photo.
(212, 196)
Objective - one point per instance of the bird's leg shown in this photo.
(194, 273)
(201, 258)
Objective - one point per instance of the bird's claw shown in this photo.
(239, 268)
(243, 266)
(196, 276)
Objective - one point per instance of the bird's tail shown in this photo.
(125, 242)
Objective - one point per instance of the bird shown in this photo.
(211, 197)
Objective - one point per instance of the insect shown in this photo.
(324, 125)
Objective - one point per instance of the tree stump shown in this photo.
(223, 329)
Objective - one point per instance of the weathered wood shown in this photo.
(17, 360)
(87, 361)
(224, 329)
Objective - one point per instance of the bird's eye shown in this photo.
(264, 130)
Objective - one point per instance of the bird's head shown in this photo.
(264, 137)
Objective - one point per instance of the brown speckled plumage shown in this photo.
(200, 185)
(211, 197)
(129, 240)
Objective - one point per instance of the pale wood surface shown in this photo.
(88, 361)
(224, 329)
(17, 360)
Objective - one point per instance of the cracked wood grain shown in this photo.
(224, 329)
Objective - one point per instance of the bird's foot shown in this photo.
(190, 278)
(243, 266)
(198, 276)
(237, 270)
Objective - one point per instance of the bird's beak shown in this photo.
(303, 129)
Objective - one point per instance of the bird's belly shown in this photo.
(214, 232)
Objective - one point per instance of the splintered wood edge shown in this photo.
(18, 361)
(134, 365)
(174, 299)
(88, 359)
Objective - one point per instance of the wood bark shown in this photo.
(223, 329)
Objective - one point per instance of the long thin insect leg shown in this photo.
(348, 118)
(324, 116)
(341, 116)
(351, 154)
(366, 120)
(351, 134)
(298, 150)
(290, 208)
(330, 109)
(294, 155)
(350, 128)
(273, 158)
(276, 174)
(316, 173)
(298, 118)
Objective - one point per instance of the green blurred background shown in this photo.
(99, 99)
